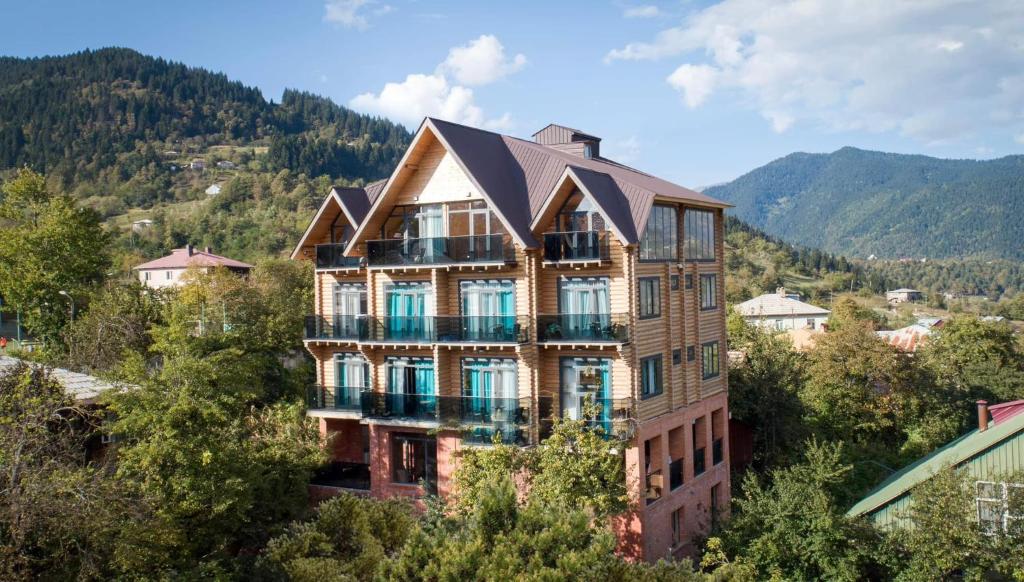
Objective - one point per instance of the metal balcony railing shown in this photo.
(586, 245)
(613, 417)
(340, 327)
(334, 397)
(483, 328)
(331, 256)
(569, 327)
(494, 248)
(421, 328)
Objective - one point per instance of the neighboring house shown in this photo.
(167, 271)
(213, 190)
(85, 389)
(225, 164)
(492, 283)
(198, 164)
(141, 225)
(987, 454)
(903, 296)
(782, 311)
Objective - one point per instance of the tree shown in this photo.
(118, 322)
(348, 538)
(764, 393)
(59, 516)
(575, 467)
(792, 527)
(977, 359)
(49, 246)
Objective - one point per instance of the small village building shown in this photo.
(782, 311)
(906, 339)
(141, 225)
(167, 271)
(213, 190)
(225, 164)
(987, 454)
(198, 164)
(904, 295)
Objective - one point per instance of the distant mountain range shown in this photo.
(857, 203)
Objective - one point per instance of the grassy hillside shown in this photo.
(860, 203)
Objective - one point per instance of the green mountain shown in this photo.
(77, 117)
(858, 203)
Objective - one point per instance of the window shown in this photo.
(677, 528)
(708, 292)
(689, 281)
(677, 357)
(717, 430)
(414, 459)
(1000, 508)
(699, 235)
(675, 282)
(168, 275)
(147, 274)
(810, 323)
(709, 360)
(489, 390)
(660, 241)
(676, 446)
(650, 376)
(650, 297)
(699, 445)
(691, 354)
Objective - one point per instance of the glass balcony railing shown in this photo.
(494, 248)
(399, 406)
(331, 256)
(334, 398)
(339, 327)
(587, 245)
(488, 414)
(483, 329)
(567, 327)
(612, 415)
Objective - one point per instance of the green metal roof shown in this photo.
(955, 453)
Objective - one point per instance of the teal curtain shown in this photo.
(407, 308)
(606, 396)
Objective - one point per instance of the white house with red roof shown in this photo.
(167, 271)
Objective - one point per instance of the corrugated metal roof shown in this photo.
(775, 305)
(955, 453)
(906, 339)
(82, 387)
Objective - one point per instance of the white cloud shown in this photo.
(936, 71)
(480, 62)
(646, 11)
(444, 93)
(353, 13)
(695, 82)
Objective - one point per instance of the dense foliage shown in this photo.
(890, 205)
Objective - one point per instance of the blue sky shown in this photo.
(698, 92)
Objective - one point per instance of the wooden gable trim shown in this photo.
(333, 195)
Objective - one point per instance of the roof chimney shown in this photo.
(207, 251)
(189, 249)
(780, 291)
(982, 415)
(569, 140)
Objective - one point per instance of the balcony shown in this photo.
(334, 398)
(399, 406)
(613, 416)
(583, 328)
(416, 329)
(589, 245)
(331, 256)
(494, 248)
(338, 327)
(481, 416)
(483, 329)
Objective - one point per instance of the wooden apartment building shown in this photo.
(493, 282)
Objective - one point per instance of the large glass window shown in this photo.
(349, 308)
(699, 235)
(650, 297)
(708, 292)
(584, 378)
(351, 377)
(410, 375)
(473, 218)
(650, 376)
(414, 459)
(660, 240)
(579, 214)
(490, 389)
(409, 307)
(710, 360)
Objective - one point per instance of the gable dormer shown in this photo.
(569, 140)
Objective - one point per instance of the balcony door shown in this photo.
(472, 224)
(349, 309)
(410, 385)
(584, 378)
(490, 390)
(488, 309)
(410, 310)
(584, 306)
(351, 377)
